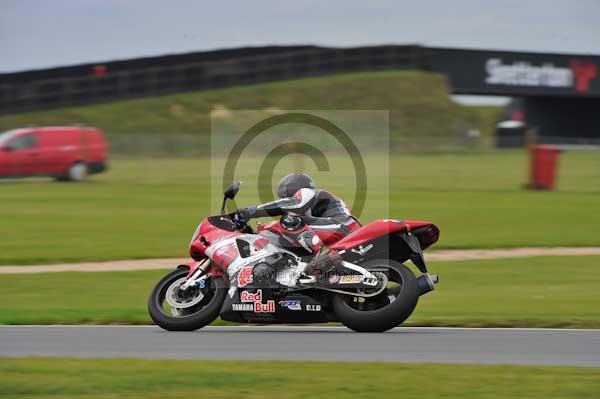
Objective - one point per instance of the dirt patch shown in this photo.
(110, 266)
(468, 254)
(170, 263)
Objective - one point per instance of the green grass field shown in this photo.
(530, 292)
(145, 208)
(127, 378)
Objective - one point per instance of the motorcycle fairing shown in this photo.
(289, 307)
(210, 232)
(226, 253)
(393, 239)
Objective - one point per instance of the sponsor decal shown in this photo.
(351, 279)
(242, 307)
(268, 307)
(291, 304)
(522, 73)
(245, 276)
(248, 296)
(252, 302)
(313, 308)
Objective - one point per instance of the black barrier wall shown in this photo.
(561, 91)
(84, 84)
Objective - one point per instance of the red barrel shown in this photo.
(544, 166)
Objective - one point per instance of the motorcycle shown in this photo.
(249, 276)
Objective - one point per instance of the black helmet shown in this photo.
(292, 183)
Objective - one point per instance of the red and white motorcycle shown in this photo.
(258, 276)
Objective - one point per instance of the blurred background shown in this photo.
(494, 135)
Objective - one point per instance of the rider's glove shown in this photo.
(242, 216)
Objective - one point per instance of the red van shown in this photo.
(65, 153)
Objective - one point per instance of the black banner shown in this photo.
(517, 73)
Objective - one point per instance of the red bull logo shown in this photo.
(256, 299)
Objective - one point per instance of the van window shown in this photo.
(6, 136)
(23, 142)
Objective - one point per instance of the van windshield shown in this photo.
(6, 136)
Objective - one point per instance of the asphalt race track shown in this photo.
(454, 345)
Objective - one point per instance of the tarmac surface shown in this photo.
(404, 344)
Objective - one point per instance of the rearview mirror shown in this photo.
(232, 190)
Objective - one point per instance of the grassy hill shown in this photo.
(419, 104)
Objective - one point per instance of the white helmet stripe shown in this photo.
(306, 194)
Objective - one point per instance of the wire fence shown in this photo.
(180, 144)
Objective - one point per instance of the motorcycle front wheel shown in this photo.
(386, 310)
(178, 310)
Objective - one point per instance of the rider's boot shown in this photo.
(324, 264)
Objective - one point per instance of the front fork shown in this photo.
(198, 273)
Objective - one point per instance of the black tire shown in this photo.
(388, 316)
(189, 322)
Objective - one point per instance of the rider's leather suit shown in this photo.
(326, 216)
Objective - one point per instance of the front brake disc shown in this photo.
(176, 300)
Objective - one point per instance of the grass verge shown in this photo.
(148, 208)
(528, 292)
(127, 378)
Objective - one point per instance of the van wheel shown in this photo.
(77, 172)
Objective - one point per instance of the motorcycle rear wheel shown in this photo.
(380, 313)
(189, 318)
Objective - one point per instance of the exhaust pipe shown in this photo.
(426, 282)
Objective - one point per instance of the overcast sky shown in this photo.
(43, 33)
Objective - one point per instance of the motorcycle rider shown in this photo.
(318, 209)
